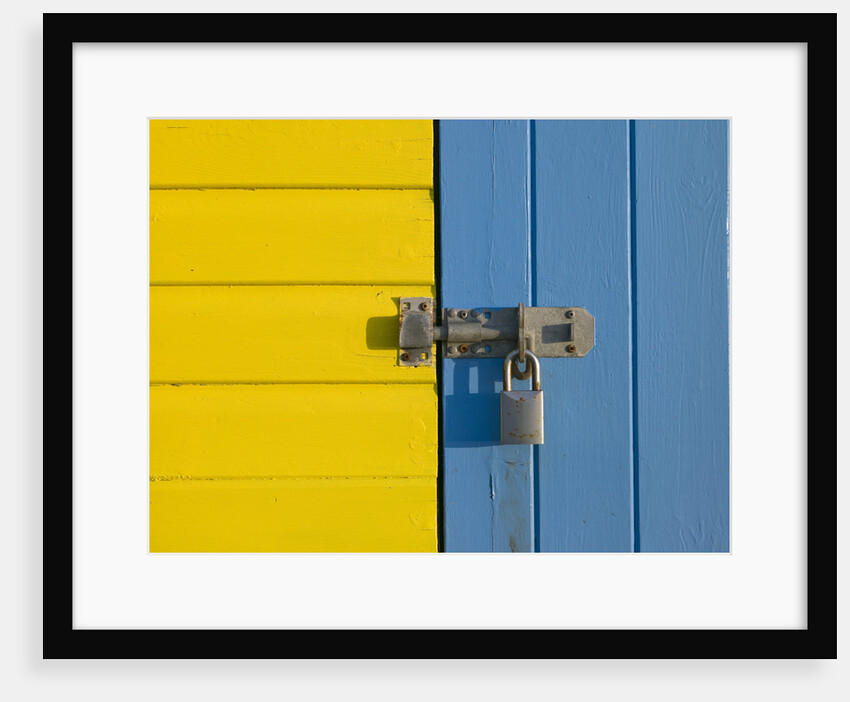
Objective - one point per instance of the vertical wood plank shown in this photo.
(485, 238)
(581, 232)
(682, 312)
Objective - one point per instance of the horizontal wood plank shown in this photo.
(291, 236)
(294, 515)
(240, 431)
(279, 334)
(291, 153)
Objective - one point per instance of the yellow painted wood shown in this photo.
(279, 334)
(294, 515)
(241, 431)
(291, 153)
(279, 417)
(292, 236)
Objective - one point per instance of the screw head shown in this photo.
(462, 314)
(571, 348)
(570, 314)
(463, 348)
(424, 306)
(405, 357)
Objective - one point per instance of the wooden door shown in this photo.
(629, 219)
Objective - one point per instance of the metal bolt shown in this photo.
(570, 314)
(405, 357)
(462, 314)
(463, 348)
(571, 348)
(424, 306)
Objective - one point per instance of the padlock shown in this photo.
(522, 410)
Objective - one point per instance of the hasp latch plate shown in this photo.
(484, 332)
(415, 331)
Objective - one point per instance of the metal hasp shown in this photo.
(483, 332)
(415, 331)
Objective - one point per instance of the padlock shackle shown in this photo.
(529, 358)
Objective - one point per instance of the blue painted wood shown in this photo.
(680, 239)
(630, 220)
(485, 240)
(581, 233)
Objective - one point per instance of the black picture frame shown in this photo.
(818, 31)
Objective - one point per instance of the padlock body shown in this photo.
(522, 416)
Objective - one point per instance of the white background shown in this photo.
(116, 89)
(754, 377)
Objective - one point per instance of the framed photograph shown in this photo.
(299, 270)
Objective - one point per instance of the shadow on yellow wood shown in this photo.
(279, 334)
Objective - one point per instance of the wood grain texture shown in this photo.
(291, 236)
(269, 431)
(291, 153)
(293, 515)
(485, 243)
(682, 336)
(584, 496)
(279, 334)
